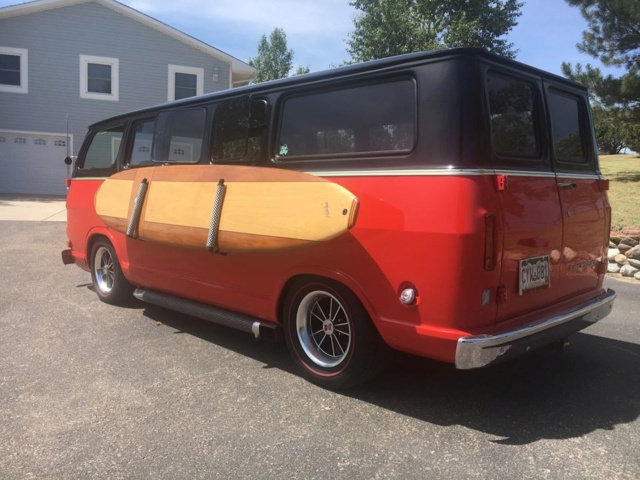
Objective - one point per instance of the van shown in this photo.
(483, 220)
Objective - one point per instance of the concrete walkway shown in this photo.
(33, 208)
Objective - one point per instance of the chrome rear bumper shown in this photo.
(482, 350)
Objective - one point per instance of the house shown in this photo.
(65, 64)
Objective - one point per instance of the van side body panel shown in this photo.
(451, 217)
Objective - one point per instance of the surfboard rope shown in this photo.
(137, 208)
(214, 226)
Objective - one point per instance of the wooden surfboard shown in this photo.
(224, 207)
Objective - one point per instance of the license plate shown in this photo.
(533, 274)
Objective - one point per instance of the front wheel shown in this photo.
(108, 280)
(330, 335)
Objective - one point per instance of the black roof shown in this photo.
(348, 70)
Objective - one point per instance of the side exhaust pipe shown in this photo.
(216, 315)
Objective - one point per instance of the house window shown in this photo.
(13, 70)
(99, 78)
(39, 141)
(185, 82)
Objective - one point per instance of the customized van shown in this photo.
(482, 228)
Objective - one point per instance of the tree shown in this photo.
(613, 37)
(274, 60)
(393, 27)
(610, 131)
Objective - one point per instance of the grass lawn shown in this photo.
(623, 172)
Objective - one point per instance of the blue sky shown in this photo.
(317, 30)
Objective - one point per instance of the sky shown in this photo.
(317, 30)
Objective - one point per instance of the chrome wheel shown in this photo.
(104, 270)
(324, 329)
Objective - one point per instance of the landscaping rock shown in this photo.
(637, 276)
(623, 247)
(633, 253)
(611, 255)
(634, 263)
(613, 268)
(612, 245)
(629, 271)
(615, 240)
(620, 259)
(632, 242)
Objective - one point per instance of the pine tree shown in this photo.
(392, 27)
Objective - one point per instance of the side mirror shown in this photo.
(68, 161)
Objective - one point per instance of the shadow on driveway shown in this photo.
(545, 395)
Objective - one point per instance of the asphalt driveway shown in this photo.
(89, 390)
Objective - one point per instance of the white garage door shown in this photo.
(32, 163)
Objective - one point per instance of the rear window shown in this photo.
(566, 122)
(375, 119)
(513, 114)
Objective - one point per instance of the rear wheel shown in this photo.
(330, 334)
(108, 280)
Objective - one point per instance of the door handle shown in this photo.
(567, 185)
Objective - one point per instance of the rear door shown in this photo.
(584, 206)
(531, 216)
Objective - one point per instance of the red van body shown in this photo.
(483, 222)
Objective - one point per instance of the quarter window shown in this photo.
(99, 78)
(378, 119)
(180, 136)
(568, 136)
(13, 70)
(185, 82)
(514, 131)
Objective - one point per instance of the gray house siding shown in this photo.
(56, 38)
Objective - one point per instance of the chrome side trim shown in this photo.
(477, 351)
(448, 172)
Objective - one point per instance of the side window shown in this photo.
(377, 119)
(180, 134)
(513, 117)
(238, 131)
(103, 150)
(141, 151)
(567, 115)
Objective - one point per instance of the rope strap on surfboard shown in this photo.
(214, 226)
(137, 208)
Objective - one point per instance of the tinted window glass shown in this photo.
(231, 124)
(104, 147)
(10, 69)
(143, 131)
(180, 135)
(568, 139)
(98, 78)
(513, 117)
(186, 85)
(370, 119)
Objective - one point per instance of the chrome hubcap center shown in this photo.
(327, 326)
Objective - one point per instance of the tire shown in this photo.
(330, 335)
(108, 280)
